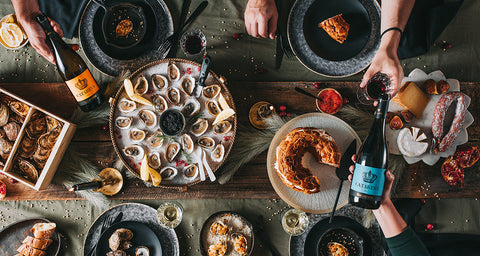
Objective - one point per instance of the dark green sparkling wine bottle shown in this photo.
(368, 179)
(72, 69)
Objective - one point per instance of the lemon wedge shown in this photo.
(226, 113)
(11, 34)
(145, 170)
(156, 177)
(223, 102)
(127, 83)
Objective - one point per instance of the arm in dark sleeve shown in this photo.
(407, 243)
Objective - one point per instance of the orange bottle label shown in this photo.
(83, 86)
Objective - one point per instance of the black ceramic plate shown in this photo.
(137, 213)
(318, 51)
(142, 236)
(12, 236)
(322, 228)
(112, 60)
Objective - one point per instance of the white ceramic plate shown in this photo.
(425, 123)
(322, 201)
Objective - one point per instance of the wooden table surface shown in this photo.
(251, 181)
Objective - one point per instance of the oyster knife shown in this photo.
(204, 70)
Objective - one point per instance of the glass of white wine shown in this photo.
(295, 222)
(170, 214)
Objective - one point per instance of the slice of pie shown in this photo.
(336, 27)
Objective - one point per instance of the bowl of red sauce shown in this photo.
(330, 101)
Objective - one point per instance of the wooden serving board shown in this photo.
(251, 181)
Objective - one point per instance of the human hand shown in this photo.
(386, 61)
(261, 18)
(387, 188)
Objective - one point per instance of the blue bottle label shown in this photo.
(368, 180)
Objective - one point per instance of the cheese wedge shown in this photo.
(411, 98)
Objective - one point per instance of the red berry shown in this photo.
(423, 201)
(283, 108)
(316, 85)
(289, 114)
(189, 69)
(75, 47)
(345, 101)
(198, 68)
(430, 226)
(105, 127)
(189, 72)
(260, 70)
(283, 113)
(226, 138)
(183, 72)
(236, 36)
(13, 181)
(149, 91)
(119, 136)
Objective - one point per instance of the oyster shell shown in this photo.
(173, 72)
(123, 122)
(19, 108)
(51, 123)
(148, 117)
(141, 85)
(5, 148)
(36, 127)
(188, 85)
(4, 114)
(126, 106)
(41, 156)
(168, 173)
(134, 151)
(213, 108)
(27, 169)
(191, 172)
(156, 139)
(153, 160)
(137, 135)
(12, 130)
(159, 81)
(173, 96)
(159, 103)
(206, 142)
(191, 107)
(142, 251)
(211, 91)
(187, 143)
(199, 127)
(222, 127)
(218, 153)
(27, 147)
(48, 139)
(5, 99)
(172, 151)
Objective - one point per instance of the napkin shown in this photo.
(427, 21)
(67, 13)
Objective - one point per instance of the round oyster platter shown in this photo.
(419, 77)
(141, 133)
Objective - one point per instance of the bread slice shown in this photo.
(41, 244)
(29, 251)
(43, 230)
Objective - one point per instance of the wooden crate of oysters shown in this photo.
(32, 141)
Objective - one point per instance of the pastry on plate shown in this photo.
(336, 27)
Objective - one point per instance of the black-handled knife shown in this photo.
(204, 70)
(343, 171)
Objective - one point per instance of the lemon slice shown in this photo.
(127, 83)
(12, 35)
(224, 115)
(223, 102)
(141, 100)
(156, 177)
(145, 170)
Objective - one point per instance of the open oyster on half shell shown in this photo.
(190, 172)
(199, 127)
(173, 72)
(27, 169)
(218, 153)
(191, 107)
(159, 81)
(212, 108)
(222, 127)
(134, 151)
(188, 85)
(187, 143)
(148, 117)
(123, 122)
(159, 103)
(137, 135)
(173, 96)
(206, 142)
(153, 159)
(168, 173)
(211, 91)
(172, 151)
(141, 85)
(126, 106)
(156, 139)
